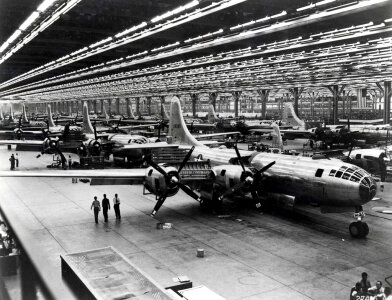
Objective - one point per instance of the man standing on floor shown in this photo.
(97, 208)
(116, 205)
(105, 207)
(12, 160)
(17, 160)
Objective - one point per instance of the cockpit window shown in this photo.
(355, 178)
(332, 173)
(346, 175)
(350, 170)
(339, 174)
(319, 172)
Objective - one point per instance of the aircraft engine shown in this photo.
(159, 184)
(229, 175)
(50, 144)
(94, 146)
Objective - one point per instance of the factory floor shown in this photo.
(248, 254)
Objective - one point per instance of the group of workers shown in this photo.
(14, 159)
(105, 207)
(364, 290)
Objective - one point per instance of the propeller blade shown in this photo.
(158, 205)
(95, 132)
(186, 158)
(239, 157)
(255, 198)
(188, 191)
(265, 168)
(155, 165)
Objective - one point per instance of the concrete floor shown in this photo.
(248, 255)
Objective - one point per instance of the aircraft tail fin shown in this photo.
(69, 109)
(1, 113)
(24, 115)
(290, 118)
(130, 112)
(277, 141)
(11, 112)
(87, 126)
(105, 114)
(177, 127)
(50, 118)
(212, 117)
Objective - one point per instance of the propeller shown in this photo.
(172, 180)
(249, 180)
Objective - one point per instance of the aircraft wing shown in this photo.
(132, 147)
(24, 132)
(296, 134)
(261, 130)
(138, 126)
(99, 177)
(201, 136)
(21, 142)
(353, 121)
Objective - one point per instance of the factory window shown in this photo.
(319, 172)
(332, 173)
(338, 174)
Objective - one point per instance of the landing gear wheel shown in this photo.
(358, 229)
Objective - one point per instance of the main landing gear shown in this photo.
(359, 229)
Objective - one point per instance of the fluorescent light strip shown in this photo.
(32, 19)
(193, 62)
(214, 7)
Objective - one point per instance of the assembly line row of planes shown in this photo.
(284, 180)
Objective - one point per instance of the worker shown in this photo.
(105, 207)
(116, 205)
(12, 160)
(97, 207)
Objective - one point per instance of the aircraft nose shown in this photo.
(367, 189)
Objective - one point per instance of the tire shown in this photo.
(356, 229)
(365, 229)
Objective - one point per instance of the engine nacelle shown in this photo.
(50, 143)
(229, 175)
(93, 146)
(157, 184)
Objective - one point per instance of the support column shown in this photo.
(334, 89)
(212, 96)
(110, 106)
(102, 105)
(236, 96)
(194, 98)
(149, 105)
(137, 100)
(264, 99)
(162, 103)
(387, 102)
(95, 105)
(118, 106)
(296, 93)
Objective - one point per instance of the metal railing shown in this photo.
(36, 271)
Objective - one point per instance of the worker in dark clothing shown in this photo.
(116, 205)
(105, 207)
(12, 160)
(17, 160)
(97, 208)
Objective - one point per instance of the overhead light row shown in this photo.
(37, 16)
(262, 49)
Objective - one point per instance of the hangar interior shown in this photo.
(274, 115)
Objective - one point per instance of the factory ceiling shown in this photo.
(77, 49)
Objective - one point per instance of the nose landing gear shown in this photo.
(359, 229)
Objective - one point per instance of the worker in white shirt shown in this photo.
(116, 205)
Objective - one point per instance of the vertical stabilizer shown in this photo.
(130, 112)
(277, 141)
(69, 110)
(50, 118)
(87, 126)
(177, 127)
(105, 114)
(1, 113)
(11, 112)
(290, 118)
(24, 115)
(212, 117)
